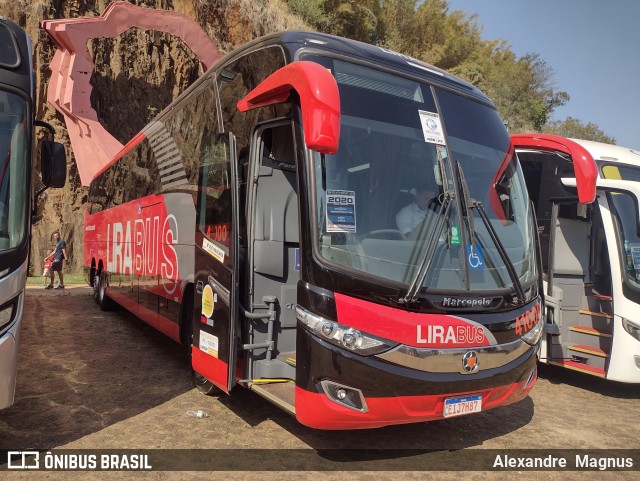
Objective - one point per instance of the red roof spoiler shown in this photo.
(584, 166)
(319, 101)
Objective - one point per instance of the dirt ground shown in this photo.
(105, 380)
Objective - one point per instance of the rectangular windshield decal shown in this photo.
(475, 258)
(455, 235)
(431, 127)
(341, 211)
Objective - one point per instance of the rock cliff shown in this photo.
(136, 75)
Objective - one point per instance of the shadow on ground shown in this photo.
(81, 370)
(613, 389)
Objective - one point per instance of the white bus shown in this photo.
(590, 252)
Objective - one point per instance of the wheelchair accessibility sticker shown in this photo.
(475, 258)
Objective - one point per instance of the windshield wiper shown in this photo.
(427, 255)
(470, 203)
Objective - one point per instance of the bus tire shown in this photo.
(104, 302)
(92, 276)
(95, 284)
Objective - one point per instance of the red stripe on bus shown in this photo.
(212, 368)
(154, 319)
(411, 328)
(316, 410)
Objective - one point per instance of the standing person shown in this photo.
(59, 255)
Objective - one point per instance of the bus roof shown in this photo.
(295, 40)
(610, 152)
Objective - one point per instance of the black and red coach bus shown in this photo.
(255, 221)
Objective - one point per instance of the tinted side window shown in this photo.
(192, 126)
(168, 158)
(235, 81)
(214, 212)
(133, 176)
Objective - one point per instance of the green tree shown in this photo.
(522, 88)
(311, 11)
(572, 127)
(358, 20)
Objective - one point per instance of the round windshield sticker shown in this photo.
(207, 301)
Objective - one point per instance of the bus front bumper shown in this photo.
(316, 410)
(387, 393)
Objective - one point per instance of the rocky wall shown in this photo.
(136, 75)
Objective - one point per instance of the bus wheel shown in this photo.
(103, 300)
(96, 284)
(92, 276)
(203, 385)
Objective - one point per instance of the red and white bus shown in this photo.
(590, 251)
(255, 221)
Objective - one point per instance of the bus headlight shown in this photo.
(533, 336)
(343, 336)
(6, 316)
(631, 328)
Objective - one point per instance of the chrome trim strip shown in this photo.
(450, 360)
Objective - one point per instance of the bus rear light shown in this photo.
(637, 360)
(346, 396)
(631, 328)
(342, 336)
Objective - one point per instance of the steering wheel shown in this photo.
(390, 234)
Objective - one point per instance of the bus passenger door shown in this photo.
(215, 318)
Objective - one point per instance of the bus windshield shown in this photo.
(13, 170)
(378, 200)
(625, 214)
(629, 246)
(619, 171)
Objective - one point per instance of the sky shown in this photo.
(593, 47)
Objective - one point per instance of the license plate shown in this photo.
(459, 406)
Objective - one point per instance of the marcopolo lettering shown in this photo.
(467, 301)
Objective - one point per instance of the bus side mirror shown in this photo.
(319, 101)
(53, 164)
